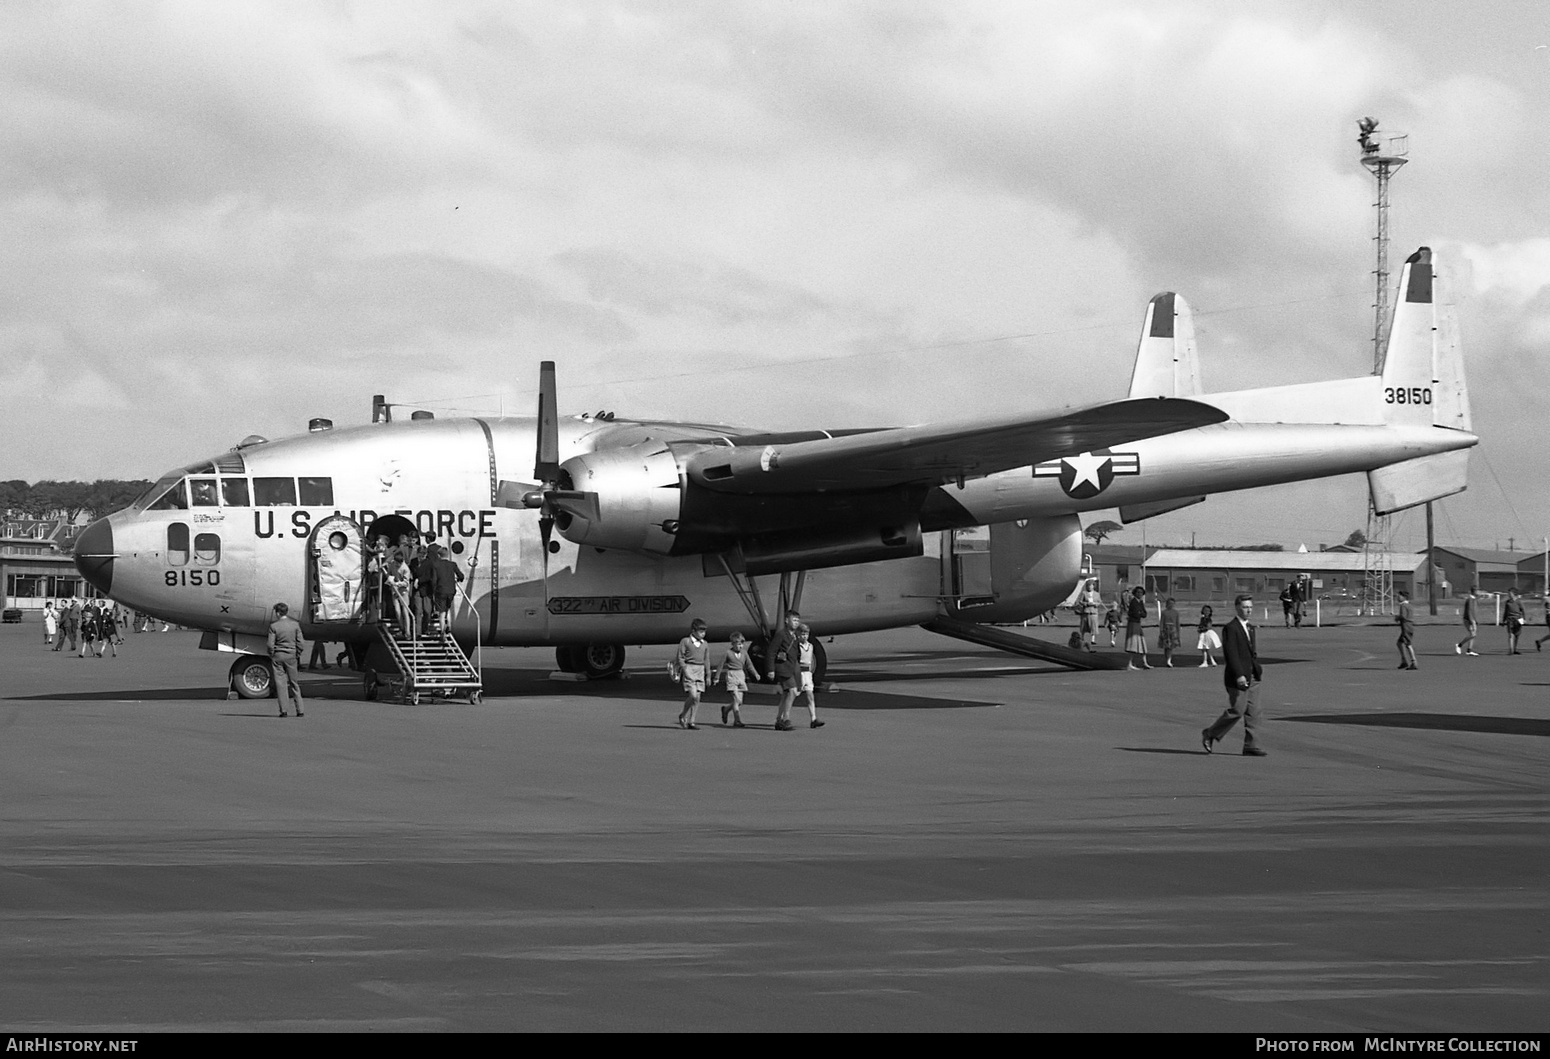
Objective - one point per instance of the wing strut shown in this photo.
(789, 598)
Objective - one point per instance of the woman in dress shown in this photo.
(50, 623)
(1209, 640)
(1135, 639)
(736, 668)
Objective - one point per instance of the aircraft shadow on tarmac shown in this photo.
(665, 691)
(128, 695)
(1445, 722)
(517, 683)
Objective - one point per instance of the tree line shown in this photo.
(68, 500)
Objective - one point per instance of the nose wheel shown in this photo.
(252, 677)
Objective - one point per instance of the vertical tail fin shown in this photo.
(1423, 365)
(1166, 362)
(1423, 385)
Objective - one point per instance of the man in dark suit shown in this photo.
(1241, 672)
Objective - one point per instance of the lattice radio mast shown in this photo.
(1382, 155)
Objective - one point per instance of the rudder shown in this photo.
(1423, 365)
(1166, 362)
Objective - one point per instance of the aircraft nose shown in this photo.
(94, 555)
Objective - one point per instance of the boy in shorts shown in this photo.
(694, 665)
(805, 655)
(736, 668)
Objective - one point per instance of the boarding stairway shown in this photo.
(1027, 646)
(429, 665)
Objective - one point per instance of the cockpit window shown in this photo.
(201, 492)
(231, 463)
(174, 499)
(200, 468)
(234, 492)
(274, 492)
(317, 492)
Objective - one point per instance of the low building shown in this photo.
(1195, 574)
(1491, 571)
(36, 564)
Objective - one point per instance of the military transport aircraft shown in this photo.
(622, 530)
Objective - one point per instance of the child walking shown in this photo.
(736, 668)
(805, 654)
(1209, 640)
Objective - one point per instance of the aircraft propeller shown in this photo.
(549, 500)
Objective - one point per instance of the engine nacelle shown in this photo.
(638, 494)
(1034, 565)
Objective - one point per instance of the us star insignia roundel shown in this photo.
(1089, 473)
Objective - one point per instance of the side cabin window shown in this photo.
(274, 492)
(317, 492)
(201, 492)
(174, 499)
(234, 492)
(207, 549)
(177, 544)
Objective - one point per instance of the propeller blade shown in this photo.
(547, 467)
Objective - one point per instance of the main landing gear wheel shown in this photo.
(601, 660)
(568, 657)
(252, 677)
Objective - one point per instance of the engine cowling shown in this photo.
(639, 497)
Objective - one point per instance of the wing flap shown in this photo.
(940, 452)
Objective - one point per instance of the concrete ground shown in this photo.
(972, 842)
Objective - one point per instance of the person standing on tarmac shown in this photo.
(1406, 641)
(736, 667)
(69, 625)
(693, 663)
(107, 628)
(285, 644)
(785, 661)
(1242, 674)
(1470, 617)
(1514, 618)
(89, 630)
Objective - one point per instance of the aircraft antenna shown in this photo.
(1382, 155)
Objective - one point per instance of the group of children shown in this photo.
(97, 626)
(793, 654)
(1169, 636)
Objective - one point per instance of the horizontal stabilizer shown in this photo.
(1129, 513)
(1402, 485)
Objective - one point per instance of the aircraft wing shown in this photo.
(941, 452)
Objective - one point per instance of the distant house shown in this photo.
(35, 562)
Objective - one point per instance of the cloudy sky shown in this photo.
(221, 219)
